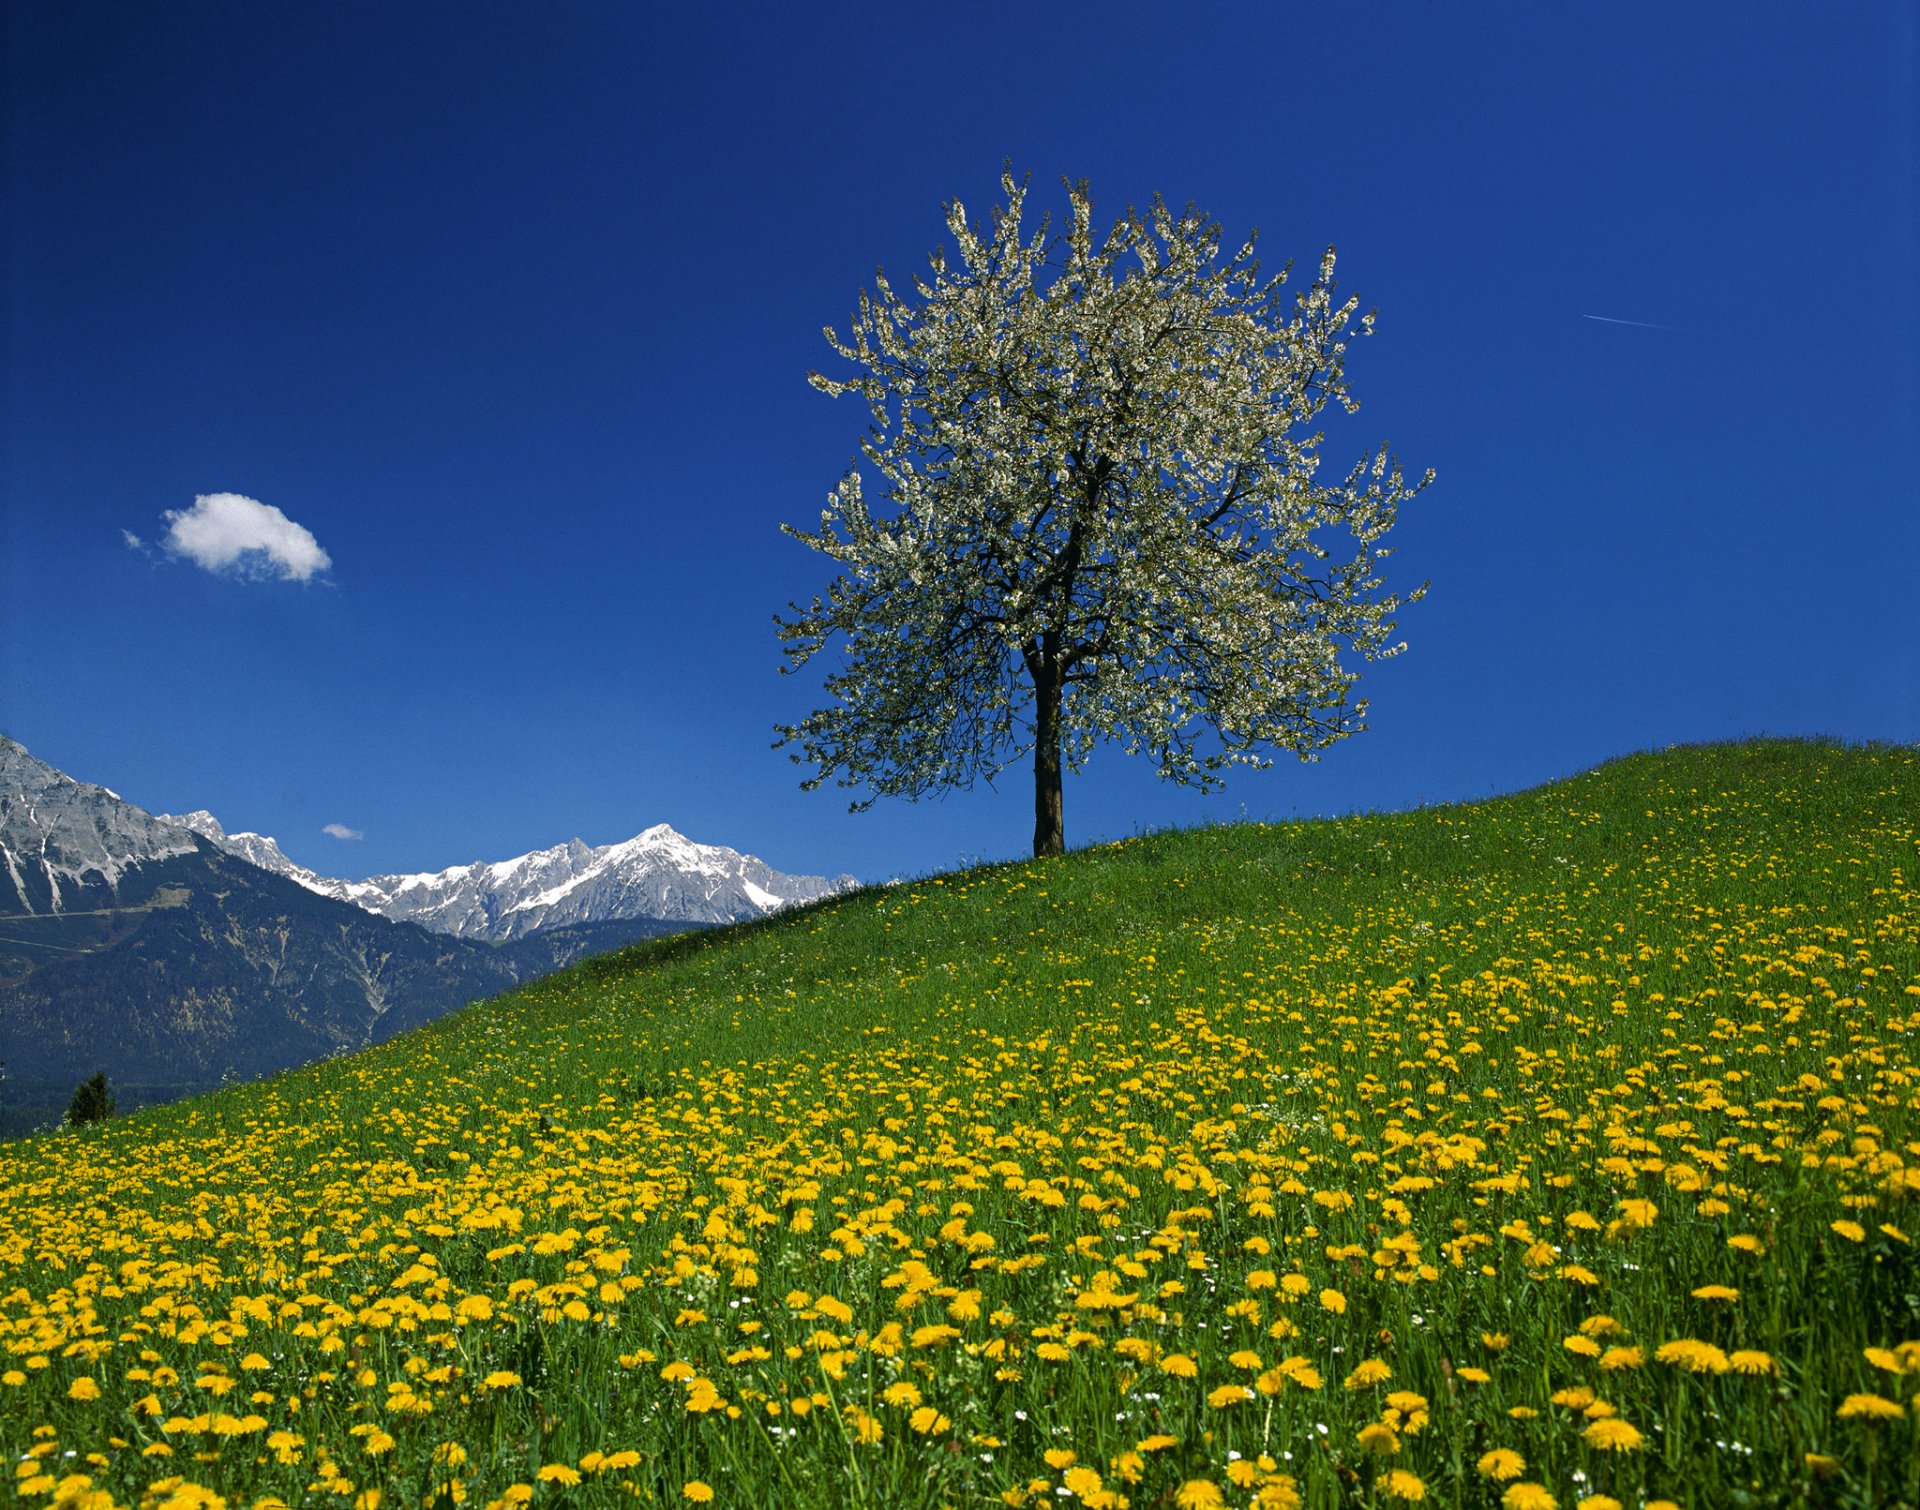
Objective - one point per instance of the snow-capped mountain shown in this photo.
(65, 844)
(656, 874)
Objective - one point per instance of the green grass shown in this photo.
(1041, 1149)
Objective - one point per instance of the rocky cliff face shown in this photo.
(65, 845)
(140, 948)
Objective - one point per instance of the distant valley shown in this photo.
(175, 956)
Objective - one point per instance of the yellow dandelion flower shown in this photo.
(901, 1394)
(1401, 1485)
(1752, 1361)
(83, 1388)
(1716, 1293)
(1870, 1408)
(1158, 1442)
(1379, 1438)
(1501, 1464)
(1693, 1355)
(1179, 1365)
(1528, 1497)
(1853, 1232)
(1058, 1458)
(926, 1420)
(500, 1378)
(697, 1491)
(1229, 1394)
(1199, 1494)
(1370, 1372)
(1081, 1482)
(1611, 1434)
(1334, 1301)
(558, 1473)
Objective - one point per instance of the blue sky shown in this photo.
(508, 310)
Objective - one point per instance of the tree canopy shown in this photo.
(1098, 514)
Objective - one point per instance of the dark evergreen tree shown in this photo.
(92, 1100)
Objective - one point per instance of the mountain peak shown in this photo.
(658, 873)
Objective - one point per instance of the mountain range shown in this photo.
(176, 957)
(656, 874)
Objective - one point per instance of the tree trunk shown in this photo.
(1049, 827)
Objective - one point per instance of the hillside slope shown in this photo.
(1510, 1154)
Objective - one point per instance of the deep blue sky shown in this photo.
(511, 307)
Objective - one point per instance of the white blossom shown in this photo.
(1098, 514)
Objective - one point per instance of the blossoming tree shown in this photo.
(1099, 515)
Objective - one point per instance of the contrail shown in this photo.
(1643, 324)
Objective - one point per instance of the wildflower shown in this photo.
(1401, 1485)
(901, 1394)
(697, 1491)
(1229, 1394)
(1637, 1213)
(926, 1420)
(1599, 1502)
(1376, 1437)
(1716, 1292)
(1622, 1357)
(1752, 1361)
(1870, 1408)
(1081, 1481)
(1199, 1494)
(1334, 1301)
(1501, 1464)
(1370, 1372)
(1158, 1442)
(500, 1378)
(1179, 1365)
(1693, 1355)
(1853, 1232)
(1058, 1458)
(558, 1473)
(83, 1388)
(1611, 1434)
(1527, 1497)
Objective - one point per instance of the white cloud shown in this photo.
(341, 831)
(228, 532)
(134, 542)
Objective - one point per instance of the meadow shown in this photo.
(1554, 1151)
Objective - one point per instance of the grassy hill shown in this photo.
(1555, 1150)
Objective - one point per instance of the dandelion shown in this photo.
(1752, 1361)
(1379, 1438)
(1870, 1408)
(1611, 1434)
(1693, 1355)
(1527, 1497)
(1401, 1485)
(1501, 1464)
(1853, 1232)
(1716, 1293)
(1199, 1494)
(1370, 1372)
(697, 1490)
